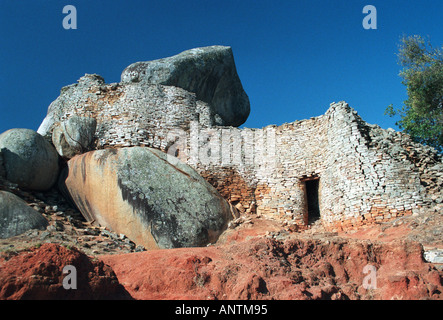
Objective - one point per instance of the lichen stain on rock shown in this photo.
(100, 199)
(137, 200)
(154, 200)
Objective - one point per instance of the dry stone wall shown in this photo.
(366, 174)
(350, 172)
(127, 114)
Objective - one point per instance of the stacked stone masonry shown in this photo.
(365, 174)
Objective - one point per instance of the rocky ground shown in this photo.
(66, 227)
(255, 258)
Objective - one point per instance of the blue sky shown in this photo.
(294, 57)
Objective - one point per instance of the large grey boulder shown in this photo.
(153, 198)
(16, 217)
(199, 85)
(74, 136)
(209, 72)
(28, 159)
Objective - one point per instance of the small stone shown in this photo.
(139, 248)
(434, 256)
(44, 235)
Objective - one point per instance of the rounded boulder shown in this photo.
(28, 159)
(16, 217)
(153, 198)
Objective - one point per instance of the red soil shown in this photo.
(257, 260)
(38, 274)
(265, 268)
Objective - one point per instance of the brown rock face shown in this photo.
(38, 274)
(93, 186)
(154, 199)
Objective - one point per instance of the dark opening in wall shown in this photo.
(313, 207)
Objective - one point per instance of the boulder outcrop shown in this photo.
(300, 188)
(28, 159)
(16, 217)
(200, 85)
(74, 136)
(208, 72)
(151, 197)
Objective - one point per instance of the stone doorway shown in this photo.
(312, 207)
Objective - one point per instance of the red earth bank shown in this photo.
(256, 260)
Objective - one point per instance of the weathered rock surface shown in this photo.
(2, 168)
(74, 136)
(28, 159)
(199, 85)
(208, 72)
(38, 274)
(364, 174)
(16, 217)
(66, 226)
(153, 198)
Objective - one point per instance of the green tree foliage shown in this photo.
(422, 113)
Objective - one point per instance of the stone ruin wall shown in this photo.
(263, 170)
(130, 115)
(361, 179)
(358, 183)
